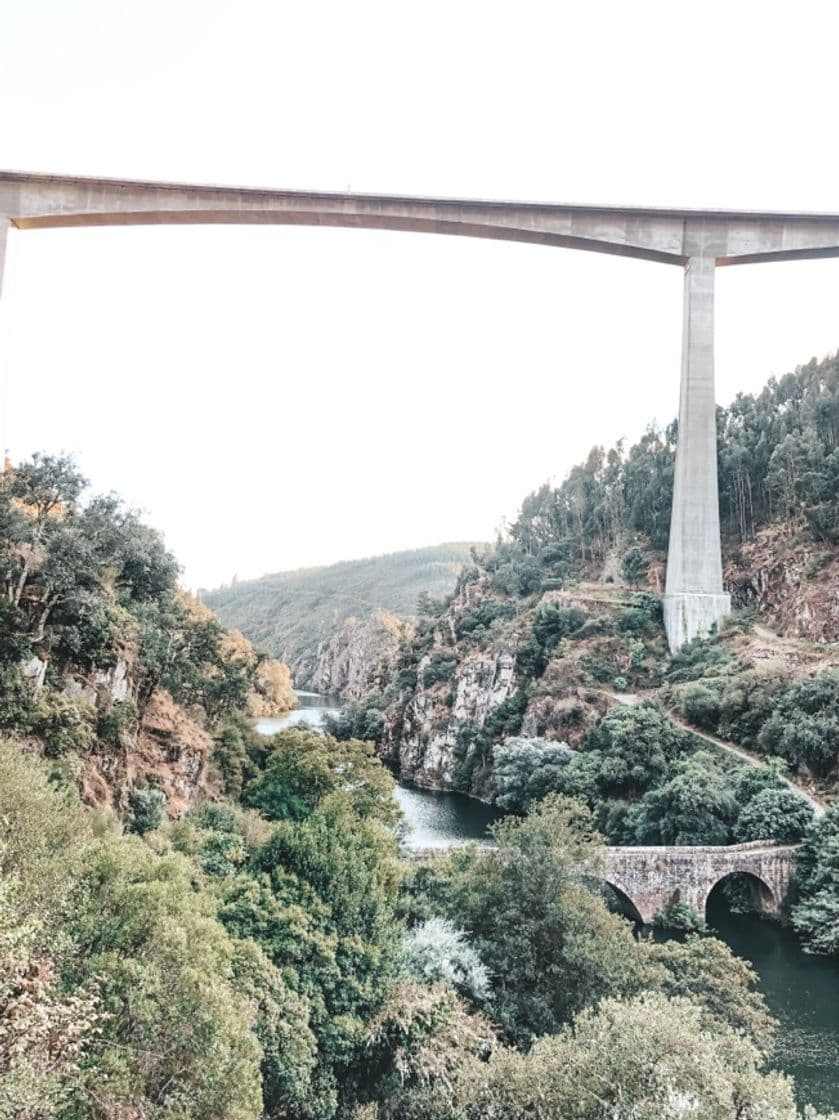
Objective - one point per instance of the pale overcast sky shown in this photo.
(275, 397)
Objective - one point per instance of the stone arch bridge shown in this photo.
(653, 879)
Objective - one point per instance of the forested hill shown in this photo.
(517, 672)
(302, 616)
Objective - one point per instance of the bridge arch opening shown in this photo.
(619, 902)
(740, 892)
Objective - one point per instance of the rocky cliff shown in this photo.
(355, 659)
(792, 579)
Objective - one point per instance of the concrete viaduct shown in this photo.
(653, 879)
(696, 241)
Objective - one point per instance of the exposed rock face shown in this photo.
(352, 661)
(169, 752)
(793, 580)
(429, 746)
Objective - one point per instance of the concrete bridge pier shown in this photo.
(694, 599)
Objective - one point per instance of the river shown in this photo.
(802, 991)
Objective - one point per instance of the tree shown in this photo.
(704, 970)
(303, 768)
(437, 952)
(526, 770)
(538, 923)
(635, 567)
(815, 915)
(646, 1058)
(148, 808)
(638, 745)
(804, 726)
(774, 814)
(695, 806)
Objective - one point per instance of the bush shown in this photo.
(679, 916)
(700, 705)
(526, 770)
(804, 725)
(441, 667)
(148, 808)
(117, 726)
(774, 814)
(552, 623)
(437, 952)
(816, 914)
(62, 724)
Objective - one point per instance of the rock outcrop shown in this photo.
(353, 660)
(791, 579)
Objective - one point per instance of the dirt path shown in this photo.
(630, 698)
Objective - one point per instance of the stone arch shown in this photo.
(630, 909)
(764, 895)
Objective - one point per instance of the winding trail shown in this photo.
(818, 806)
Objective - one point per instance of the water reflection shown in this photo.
(312, 709)
(436, 820)
(802, 992)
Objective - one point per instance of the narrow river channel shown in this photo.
(802, 991)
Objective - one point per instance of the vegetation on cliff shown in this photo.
(105, 663)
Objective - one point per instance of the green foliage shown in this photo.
(148, 809)
(553, 622)
(237, 750)
(637, 745)
(815, 915)
(437, 952)
(526, 770)
(506, 718)
(61, 723)
(303, 768)
(699, 703)
(441, 667)
(118, 725)
(679, 916)
(804, 725)
(706, 971)
(640, 1058)
(635, 566)
(547, 938)
(774, 814)
(694, 806)
(69, 568)
(359, 720)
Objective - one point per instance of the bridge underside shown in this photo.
(697, 241)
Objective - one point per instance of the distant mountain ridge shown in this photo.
(307, 613)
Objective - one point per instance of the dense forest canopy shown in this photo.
(778, 456)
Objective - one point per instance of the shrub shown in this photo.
(526, 770)
(700, 705)
(62, 724)
(437, 951)
(148, 807)
(680, 916)
(774, 814)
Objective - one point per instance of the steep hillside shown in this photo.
(547, 632)
(106, 667)
(316, 619)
